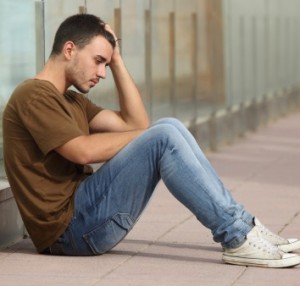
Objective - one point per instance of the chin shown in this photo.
(81, 89)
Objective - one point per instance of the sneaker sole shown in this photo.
(293, 245)
(289, 261)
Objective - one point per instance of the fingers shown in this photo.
(109, 29)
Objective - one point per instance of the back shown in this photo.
(36, 120)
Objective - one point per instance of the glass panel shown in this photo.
(17, 49)
(185, 37)
(55, 12)
(134, 36)
(210, 81)
(172, 48)
(104, 94)
(162, 57)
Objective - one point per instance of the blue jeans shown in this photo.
(109, 202)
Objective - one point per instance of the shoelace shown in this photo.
(263, 245)
(267, 233)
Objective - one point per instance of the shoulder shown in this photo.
(31, 90)
(31, 96)
(30, 86)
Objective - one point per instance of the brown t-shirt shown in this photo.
(36, 120)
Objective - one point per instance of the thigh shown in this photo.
(190, 140)
(108, 203)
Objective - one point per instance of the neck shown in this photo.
(54, 72)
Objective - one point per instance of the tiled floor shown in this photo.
(168, 246)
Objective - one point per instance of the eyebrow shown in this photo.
(98, 57)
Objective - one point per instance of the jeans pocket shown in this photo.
(104, 237)
(56, 248)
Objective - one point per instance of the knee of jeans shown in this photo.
(164, 133)
(168, 120)
(104, 237)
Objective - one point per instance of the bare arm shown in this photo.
(112, 129)
(97, 147)
(132, 114)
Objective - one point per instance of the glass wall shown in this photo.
(262, 47)
(190, 59)
(17, 49)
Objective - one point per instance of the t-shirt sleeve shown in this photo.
(91, 108)
(50, 123)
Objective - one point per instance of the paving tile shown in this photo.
(164, 265)
(263, 277)
(168, 246)
(45, 280)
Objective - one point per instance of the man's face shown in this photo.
(88, 65)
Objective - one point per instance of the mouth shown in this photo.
(94, 82)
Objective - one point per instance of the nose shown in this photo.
(101, 71)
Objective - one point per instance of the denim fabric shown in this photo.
(109, 202)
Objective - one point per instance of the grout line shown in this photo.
(291, 220)
(142, 249)
(239, 276)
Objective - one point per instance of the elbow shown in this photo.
(88, 156)
(83, 158)
(145, 124)
(76, 151)
(91, 155)
(137, 126)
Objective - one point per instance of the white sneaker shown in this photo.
(286, 245)
(256, 251)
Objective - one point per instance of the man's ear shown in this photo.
(68, 49)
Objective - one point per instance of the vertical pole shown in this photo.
(118, 23)
(40, 34)
(267, 47)
(82, 9)
(172, 59)
(148, 60)
(194, 62)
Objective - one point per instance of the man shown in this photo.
(51, 134)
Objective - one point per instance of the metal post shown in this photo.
(118, 24)
(172, 59)
(148, 60)
(40, 34)
(194, 62)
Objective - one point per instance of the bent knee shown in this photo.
(163, 131)
(169, 120)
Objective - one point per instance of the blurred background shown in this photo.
(222, 67)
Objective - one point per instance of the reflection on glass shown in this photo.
(190, 59)
(17, 49)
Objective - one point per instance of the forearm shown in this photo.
(132, 108)
(96, 148)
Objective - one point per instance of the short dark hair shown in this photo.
(80, 29)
